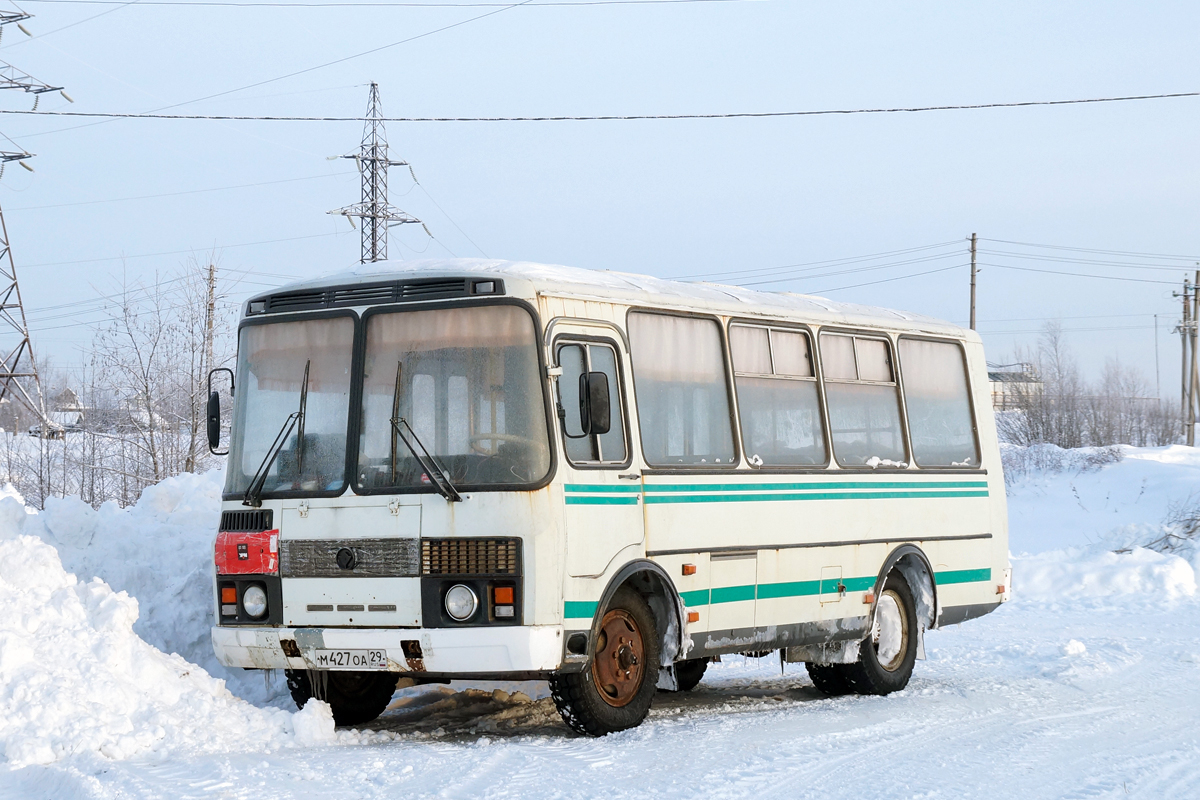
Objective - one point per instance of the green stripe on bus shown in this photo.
(602, 488)
(962, 576)
(781, 497)
(770, 591)
(732, 594)
(755, 487)
(602, 501)
(774, 591)
(577, 609)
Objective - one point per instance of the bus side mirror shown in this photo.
(214, 420)
(595, 410)
(213, 412)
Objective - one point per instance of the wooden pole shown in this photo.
(973, 271)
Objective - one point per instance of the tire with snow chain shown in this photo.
(354, 697)
(886, 657)
(829, 679)
(614, 690)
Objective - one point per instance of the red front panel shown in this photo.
(240, 553)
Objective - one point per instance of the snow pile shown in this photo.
(1076, 573)
(160, 551)
(75, 678)
(1093, 522)
(313, 724)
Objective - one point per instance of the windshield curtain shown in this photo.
(468, 385)
(272, 359)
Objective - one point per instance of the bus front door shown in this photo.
(603, 497)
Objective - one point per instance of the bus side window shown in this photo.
(864, 405)
(681, 392)
(939, 405)
(606, 448)
(777, 397)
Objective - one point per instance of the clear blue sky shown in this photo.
(666, 198)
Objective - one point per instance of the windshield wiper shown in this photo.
(253, 496)
(437, 476)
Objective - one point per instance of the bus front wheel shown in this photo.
(886, 657)
(354, 697)
(614, 691)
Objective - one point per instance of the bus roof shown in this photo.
(640, 290)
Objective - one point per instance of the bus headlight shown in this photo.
(254, 601)
(461, 602)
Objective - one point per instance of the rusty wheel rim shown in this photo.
(619, 663)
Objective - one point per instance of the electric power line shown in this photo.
(1080, 274)
(177, 194)
(1093, 250)
(889, 280)
(590, 118)
(220, 4)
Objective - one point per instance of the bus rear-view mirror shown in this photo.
(594, 403)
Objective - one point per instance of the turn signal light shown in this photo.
(1000, 589)
(503, 595)
(228, 594)
(693, 616)
(689, 569)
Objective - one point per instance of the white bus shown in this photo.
(486, 470)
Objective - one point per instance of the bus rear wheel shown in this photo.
(829, 679)
(886, 657)
(354, 697)
(614, 690)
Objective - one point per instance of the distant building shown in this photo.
(1010, 383)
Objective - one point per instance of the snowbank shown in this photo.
(1080, 521)
(159, 551)
(1077, 573)
(75, 678)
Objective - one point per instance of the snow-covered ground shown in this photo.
(1083, 686)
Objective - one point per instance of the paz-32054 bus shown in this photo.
(490, 470)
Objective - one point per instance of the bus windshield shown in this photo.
(273, 361)
(466, 381)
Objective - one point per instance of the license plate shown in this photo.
(348, 659)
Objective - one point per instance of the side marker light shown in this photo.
(689, 569)
(868, 598)
(693, 616)
(1000, 589)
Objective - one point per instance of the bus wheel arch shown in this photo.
(914, 566)
(654, 585)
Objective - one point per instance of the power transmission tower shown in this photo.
(18, 369)
(376, 213)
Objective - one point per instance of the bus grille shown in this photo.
(373, 558)
(470, 556)
(251, 521)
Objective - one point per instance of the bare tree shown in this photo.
(1061, 408)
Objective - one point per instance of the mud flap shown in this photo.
(666, 679)
(921, 643)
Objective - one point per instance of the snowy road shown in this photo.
(1086, 685)
(1009, 706)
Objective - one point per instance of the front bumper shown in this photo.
(461, 651)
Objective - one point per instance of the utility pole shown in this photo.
(1184, 323)
(210, 311)
(1194, 383)
(376, 213)
(973, 271)
(17, 365)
